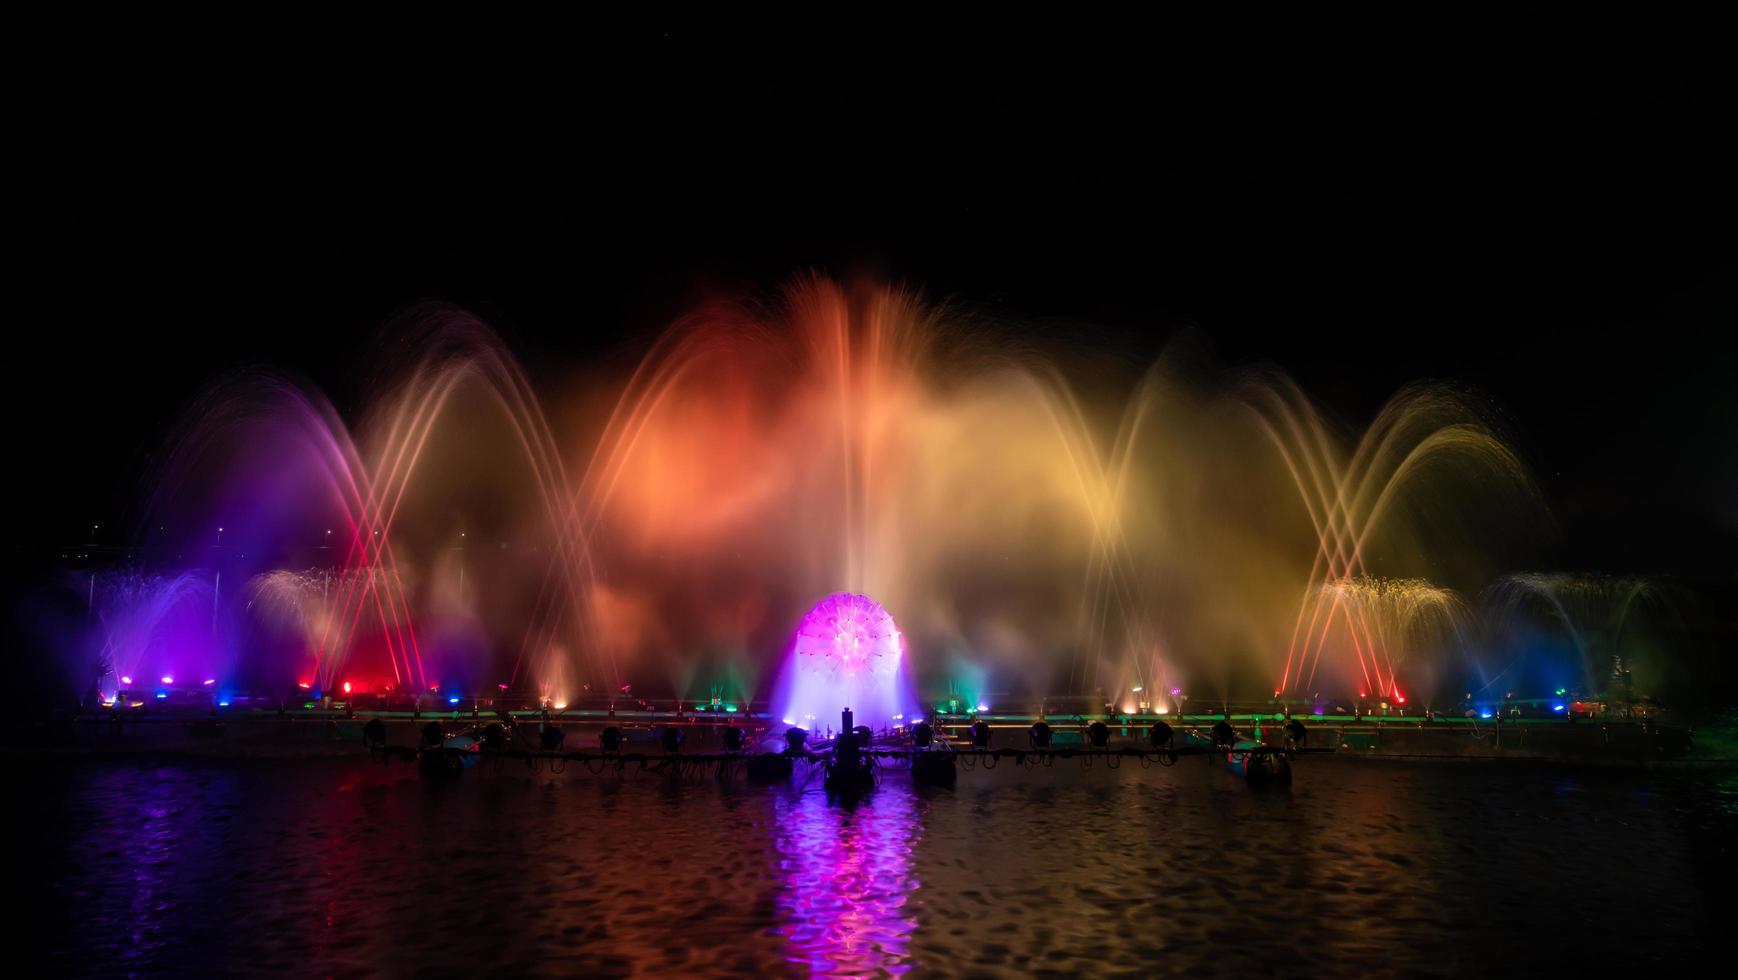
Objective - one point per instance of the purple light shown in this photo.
(847, 653)
(168, 679)
(210, 681)
(127, 680)
(848, 636)
(855, 930)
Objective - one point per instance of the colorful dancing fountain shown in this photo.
(649, 537)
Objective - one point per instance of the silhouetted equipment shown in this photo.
(934, 768)
(672, 738)
(1040, 735)
(551, 738)
(1160, 735)
(1223, 734)
(1098, 734)
(1297, 733)
(494, 736)
(1260, 764)
(374, 733)
(849, 780)
(922, 735)
(795, 739)
(981, 734)
(733, 739)
(610, 739)
(441, 762)
(433, 734)
(769, 767)
(850, 773)
(847, 748)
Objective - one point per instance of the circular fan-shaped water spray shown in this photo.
(847, 653)
(848, 637)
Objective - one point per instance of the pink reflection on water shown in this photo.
(849, 902)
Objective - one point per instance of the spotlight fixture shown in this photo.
(494, 736)
(610, 739)
(1098, 734)
(432, 735)
(1296, 732)
(374, 733)
(794, 741)
(672, 738)
(922, 735)
(1224, 735)
(1160, 736)
(980, 734)
(733, 739)
(1040, 735)
(551, 738)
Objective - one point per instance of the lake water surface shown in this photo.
(1360, 867)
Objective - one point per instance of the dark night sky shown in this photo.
(1542, 210)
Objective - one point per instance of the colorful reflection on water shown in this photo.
(849, 905)
(346, 868)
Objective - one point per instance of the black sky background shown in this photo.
(1541, 209)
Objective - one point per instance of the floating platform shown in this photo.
(849, 780)
(934, 768)
(770, 767)
(1259, 763)
(248, 733)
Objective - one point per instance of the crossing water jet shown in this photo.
(659, 531)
